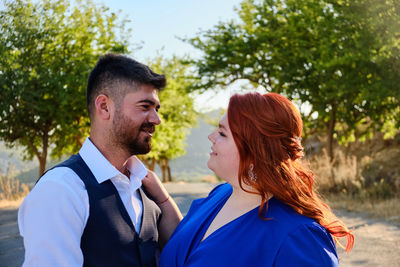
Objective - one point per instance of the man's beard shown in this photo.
(128, 136)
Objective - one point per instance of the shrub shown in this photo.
(363, 178)
(11, 188)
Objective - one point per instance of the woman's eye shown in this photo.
(221, 134)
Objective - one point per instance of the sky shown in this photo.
(156, 24)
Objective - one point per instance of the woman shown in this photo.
(267, 214)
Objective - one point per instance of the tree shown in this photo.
(177, 115)
(340, 57)
(47, 49)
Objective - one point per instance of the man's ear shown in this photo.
(103, 107)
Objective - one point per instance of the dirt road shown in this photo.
(377, 242)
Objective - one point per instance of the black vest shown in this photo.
(109, 238)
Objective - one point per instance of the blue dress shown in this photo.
(286, 239)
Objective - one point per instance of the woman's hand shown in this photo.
(155, 188)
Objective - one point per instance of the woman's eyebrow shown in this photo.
(221, 126)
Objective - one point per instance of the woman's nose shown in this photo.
(211, 138)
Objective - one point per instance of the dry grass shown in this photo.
(344, 172)
(388, 209)
(366, 177)
(10, 188)
(355, 185)
(10, 204)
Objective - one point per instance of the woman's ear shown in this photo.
(102, 104)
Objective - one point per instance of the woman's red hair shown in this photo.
(267, 131)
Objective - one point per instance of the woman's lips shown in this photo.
(212, 153)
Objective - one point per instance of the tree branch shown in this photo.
(34, 149)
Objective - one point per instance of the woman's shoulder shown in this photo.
(284, 221)
(283, 213)
(301, 239)
(309, 244)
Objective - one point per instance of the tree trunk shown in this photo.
(331, 153)
(169, 171)
(42, 165)
(146, 162)
(79, 140)
(331, 129)
(152, 164)
(163, 167)
(41, 156)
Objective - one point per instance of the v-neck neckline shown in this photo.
(214, 214)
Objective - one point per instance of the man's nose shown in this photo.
(154, 117)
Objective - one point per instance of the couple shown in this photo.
(92, 210)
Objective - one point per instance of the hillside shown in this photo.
(13, 158)
(193, 165)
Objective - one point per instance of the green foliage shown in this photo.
(177, 110)
(47, 49)
(340, 57)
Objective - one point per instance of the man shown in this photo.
(91, 210)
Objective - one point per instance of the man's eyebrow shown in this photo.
(151, 102)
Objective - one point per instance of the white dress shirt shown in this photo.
(53, 216)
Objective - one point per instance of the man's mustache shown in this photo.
(148, 127)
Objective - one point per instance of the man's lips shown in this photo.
(148, 130)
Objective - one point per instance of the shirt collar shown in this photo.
(137, 172)
(103, 170)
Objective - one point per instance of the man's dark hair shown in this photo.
(114, 70)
